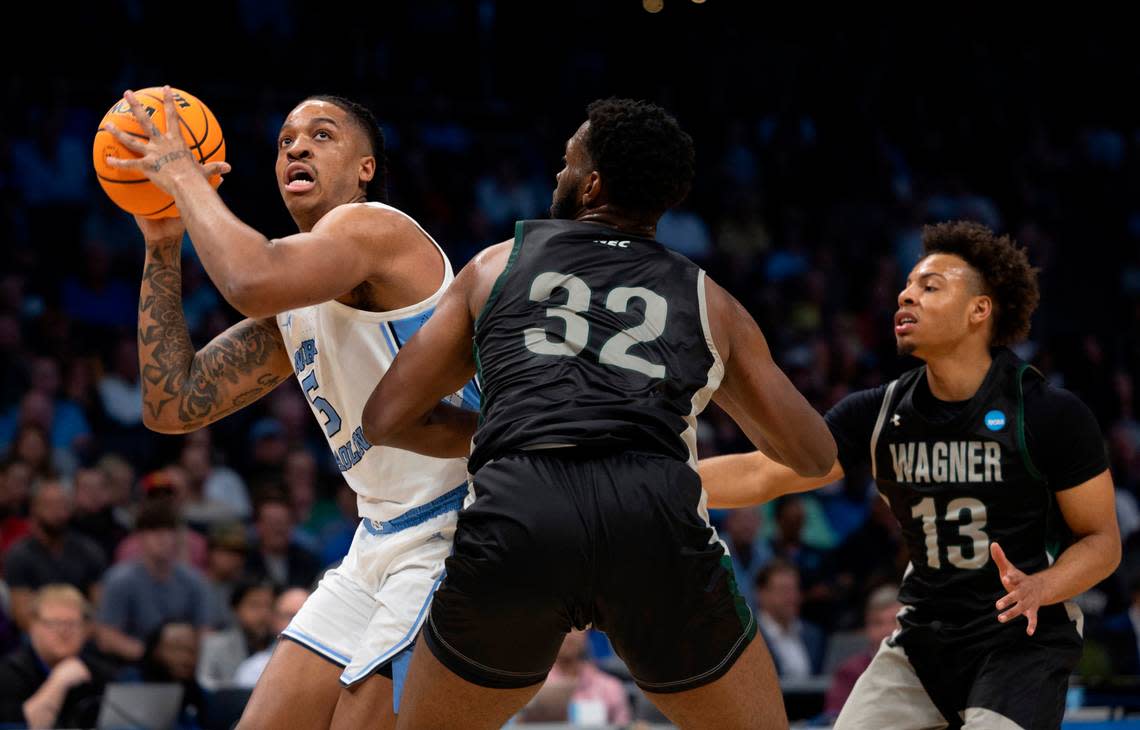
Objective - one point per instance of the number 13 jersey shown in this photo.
(594, 338)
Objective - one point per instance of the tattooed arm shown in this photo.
(184, 390)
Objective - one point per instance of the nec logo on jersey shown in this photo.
(995, 420)
(614, 244)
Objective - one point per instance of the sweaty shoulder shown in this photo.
(1062, 435)
(368, 223)
(480, 278)
(852, 422)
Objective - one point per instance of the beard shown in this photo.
(905, 348)
(563, 206)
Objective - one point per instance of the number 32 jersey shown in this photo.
(593, 338)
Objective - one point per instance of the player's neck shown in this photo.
(609, 216)
(958, 375)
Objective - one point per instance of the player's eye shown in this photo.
(322, 134)
(928, 287)
(284, 141)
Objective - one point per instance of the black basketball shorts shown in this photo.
(559, 538)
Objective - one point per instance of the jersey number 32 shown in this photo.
(615, 351)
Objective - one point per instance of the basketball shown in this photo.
(131, 190)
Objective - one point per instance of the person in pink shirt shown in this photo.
(591, 691)
(879, 622)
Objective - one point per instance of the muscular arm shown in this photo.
(760, 398)
(1090, 512)
(260, 277)
(184, 390)
(741, 480)
(404, 409)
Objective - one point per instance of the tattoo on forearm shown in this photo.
(202, 386)
(167, 159)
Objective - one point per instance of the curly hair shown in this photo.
(377, 188)
(1007, 276)
(645, 159)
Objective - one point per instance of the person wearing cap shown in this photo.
(167, 484)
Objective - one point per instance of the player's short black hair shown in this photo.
(377, 188)
(645, 159)
(1006, 274)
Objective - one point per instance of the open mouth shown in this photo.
(904, 323)
(300, 178)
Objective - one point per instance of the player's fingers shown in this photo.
(1011, 614)
(999, 557)
(216, 168)
(131, 142)
(136, 109)
(171, 113)
(1006, 601)
(123, 163)
(1031, 614)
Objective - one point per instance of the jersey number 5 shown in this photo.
(970, 514)
(615, 351)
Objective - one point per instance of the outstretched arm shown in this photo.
(184, 390)
(741, 480)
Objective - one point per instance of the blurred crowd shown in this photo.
(131, 556)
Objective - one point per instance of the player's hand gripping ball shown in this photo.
(129, 159)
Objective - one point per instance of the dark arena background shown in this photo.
(823, 148)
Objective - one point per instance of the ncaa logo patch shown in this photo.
(995, 420)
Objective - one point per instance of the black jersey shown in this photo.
(593, 337)
(961, 476)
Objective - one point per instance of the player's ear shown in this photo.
(591, 189)
(981, 308)
(367, 169)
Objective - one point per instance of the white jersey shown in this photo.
(339, 354)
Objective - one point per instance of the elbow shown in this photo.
(1114, 554)
(818, 462)
(377, 431)
(165, 424)
(247, 297)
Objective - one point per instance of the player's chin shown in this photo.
(906, 345)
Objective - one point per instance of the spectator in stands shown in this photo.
(51, 552)
(142, 594)
(15, 487)
(55, 680)
(225, 565)
(214, 493)
(276, 556)
(577, 690)
(749, 551)
(170, 656)
(797, 646)
(169, 484)
(1120, 635)
(94, 517)
(286, 606)
(224, 651)
(880, 620)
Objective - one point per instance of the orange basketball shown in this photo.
(130, 189)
